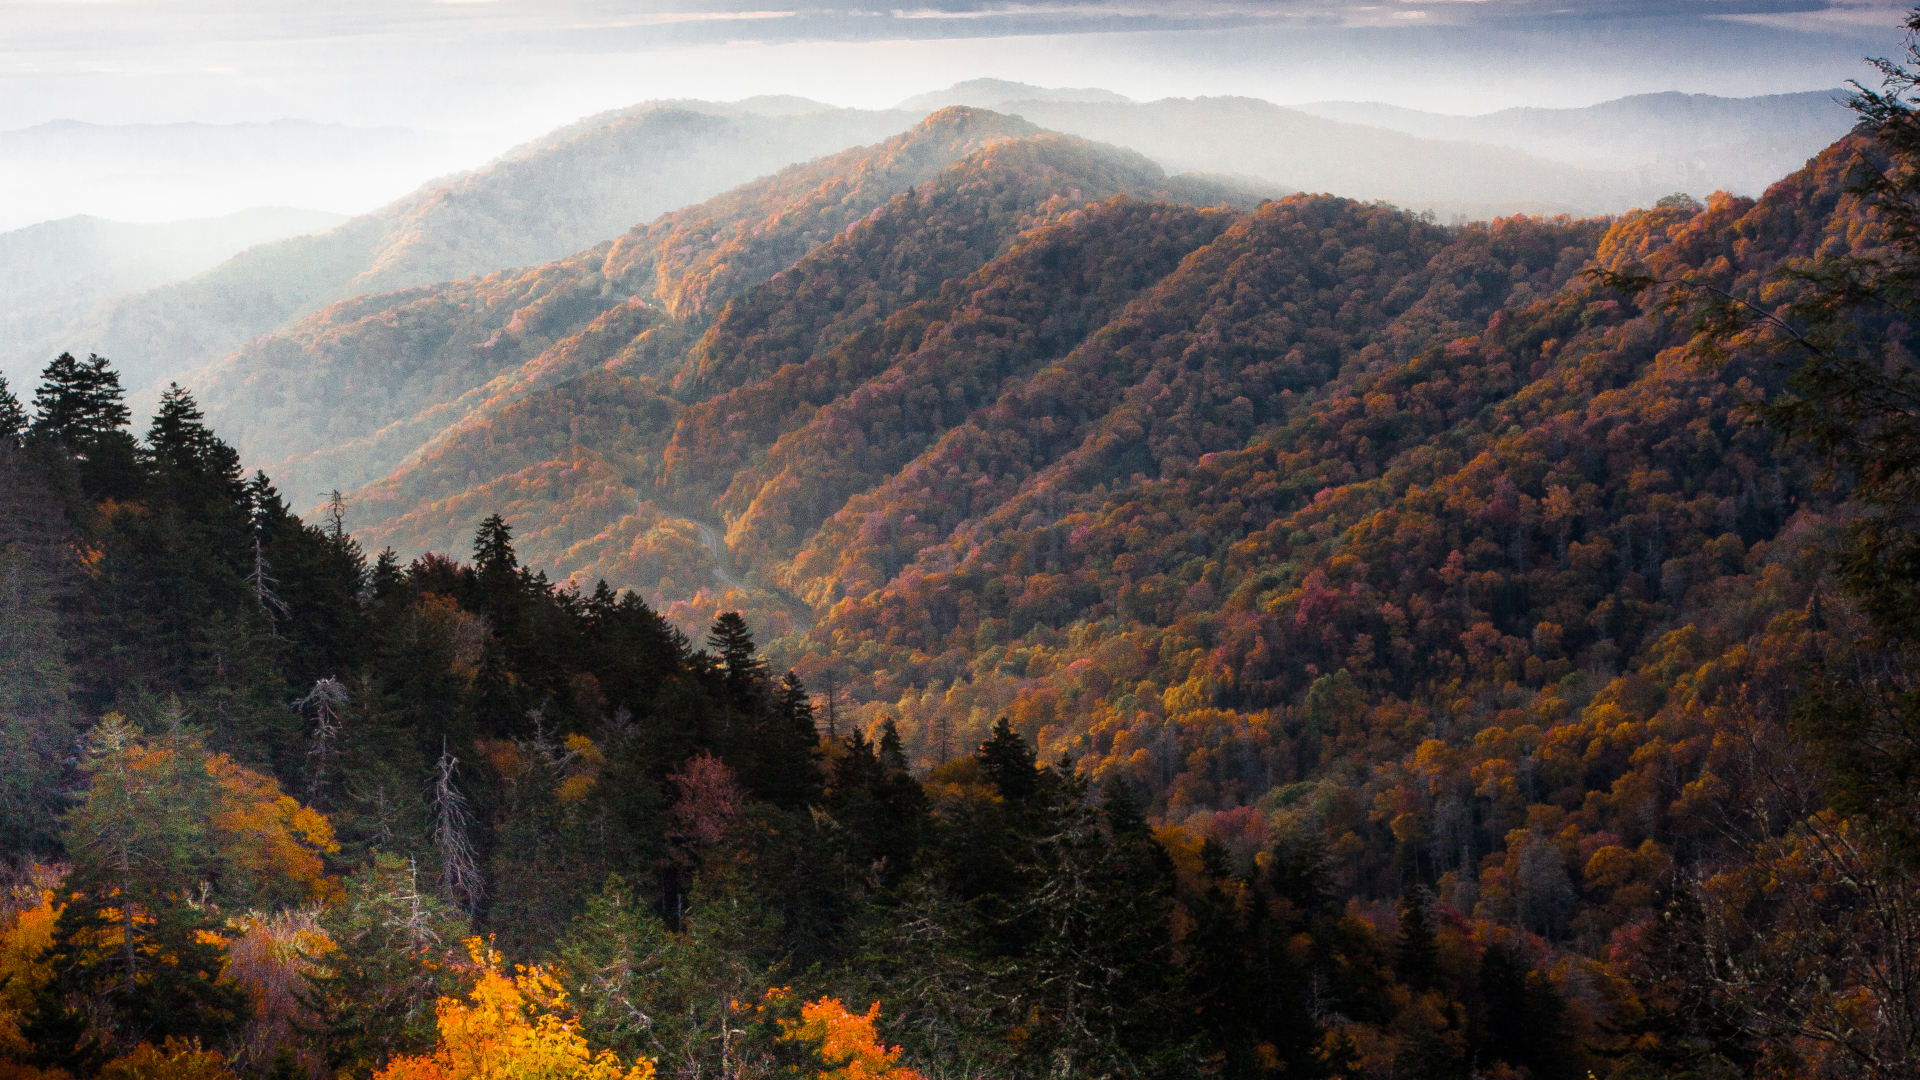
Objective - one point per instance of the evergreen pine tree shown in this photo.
(1524, 1021)
(493, 556)
(893, 756)
(1009, 763)
(732, 643)
(182, 446)
(1300, 874)
(130, 935)
(80, 409)
(78, 400)
(1124, 814)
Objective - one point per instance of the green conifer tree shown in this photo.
(1008, 762)
(79, 408)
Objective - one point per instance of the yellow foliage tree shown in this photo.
(270, 841)
(178, 1059)
(23, 966)
(847, 1042)
(510, 1028)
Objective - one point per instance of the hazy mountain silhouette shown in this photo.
(54, 272)
(1708, 142)
(552, 197)
(992, 93)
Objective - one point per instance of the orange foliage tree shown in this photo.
(23, 966)
(847, 1042)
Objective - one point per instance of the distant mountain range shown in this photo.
(1740, 144)
(53, 273)
(593, 179)
(993, 93)
(537, 203)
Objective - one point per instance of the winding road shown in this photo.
(710, 537)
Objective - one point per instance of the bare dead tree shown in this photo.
(328, 699)
(336, 514)
(459, 867)
(261, 580)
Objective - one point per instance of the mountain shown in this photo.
(1434, 667)
(593, 179)
(346, 395)
(550, 198)
(1017, 432)
(1702, 142)
(1603, 158)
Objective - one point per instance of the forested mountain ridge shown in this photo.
(479, 329)
(351, 392)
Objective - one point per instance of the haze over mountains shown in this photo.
(168, 172)
(592, 179)
(1703, 143)
(53, 273)
(539, 202)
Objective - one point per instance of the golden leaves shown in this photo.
(510, 1027)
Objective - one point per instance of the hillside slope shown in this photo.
(54, 272)
(1144, 465)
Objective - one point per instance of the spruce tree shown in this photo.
(79, 408)
(182, 445)
(1122, 809)
(493, 556)
(78, 400)
(130, 935)
(732, 643)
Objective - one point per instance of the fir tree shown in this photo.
(1122, 809)
(78, 401)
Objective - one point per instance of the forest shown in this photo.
(1143, 631)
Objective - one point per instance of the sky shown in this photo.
(496, 72)
(527, 65)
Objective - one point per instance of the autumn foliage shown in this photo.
(510, 1025)
(847, 1042)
